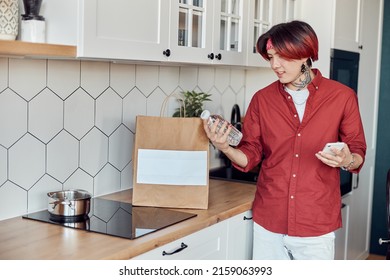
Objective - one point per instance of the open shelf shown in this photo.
(39, 50)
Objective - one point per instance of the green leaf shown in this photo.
(193, 102)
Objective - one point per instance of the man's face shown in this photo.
(287, 70)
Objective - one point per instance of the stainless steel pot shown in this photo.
(69, 203)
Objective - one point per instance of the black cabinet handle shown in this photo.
(167, 52)
(218, 56)
(246, 218)
(210, 56)
(357, 182)
(182, 247)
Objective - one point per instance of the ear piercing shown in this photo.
(303, 68)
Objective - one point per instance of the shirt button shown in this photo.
(292, 197)
(299, 134)
(294, 175)
(295, 116)
(296, 155)
(289, 97)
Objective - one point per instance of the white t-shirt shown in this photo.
(299, 97)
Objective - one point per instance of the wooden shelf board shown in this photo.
(27, 49)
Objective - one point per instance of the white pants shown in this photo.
(274, 246)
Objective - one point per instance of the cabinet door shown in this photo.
(191, 31)
(260, 20)
(368, 92)
(208, 31)
(206, 244)
(347, 25)
(230, 27)
(341, 242)
(240, 237)
(283, 11)
(122, 29)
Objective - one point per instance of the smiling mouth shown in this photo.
(279, 74)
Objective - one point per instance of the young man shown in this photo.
(297, 203)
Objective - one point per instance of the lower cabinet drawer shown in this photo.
(206, 244)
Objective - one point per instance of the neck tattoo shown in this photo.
(302, 82)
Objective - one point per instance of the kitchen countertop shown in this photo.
(28, 239)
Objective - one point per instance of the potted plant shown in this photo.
(191, 104)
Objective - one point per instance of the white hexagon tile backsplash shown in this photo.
(13, 117)
(45, 115)
(63, 77)
(70, 124)
(79, 113)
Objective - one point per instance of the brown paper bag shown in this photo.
(170, 134)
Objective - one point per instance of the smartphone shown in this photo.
(337, 145)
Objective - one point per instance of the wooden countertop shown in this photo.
(28, 239)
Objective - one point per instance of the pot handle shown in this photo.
(66, 202)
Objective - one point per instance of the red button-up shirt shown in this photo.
(296, 193)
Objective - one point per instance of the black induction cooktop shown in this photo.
(117, 219)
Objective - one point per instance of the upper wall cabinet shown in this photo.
(184, 31)
(181, 31)
(260, 21)
(230, 31)
(122, 29)
(283, 10)
(191, 31)
(263, 14)
(204, 31)
(347, 25)
(220, 32)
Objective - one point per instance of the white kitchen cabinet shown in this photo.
(283, 11)
(358, 29)
(260, 21)
(347, 25)
(191, 31)
(229, 32)
(368, 94)
(240, 237)
(208, 32)
(228, 239)
(220, 32)
(263, 14)
(121, 29)
(206, 244)
(182, 31)
(341, 242)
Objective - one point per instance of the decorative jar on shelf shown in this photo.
(33, 26)
(9, 19)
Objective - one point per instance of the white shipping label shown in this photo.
(168, 167)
